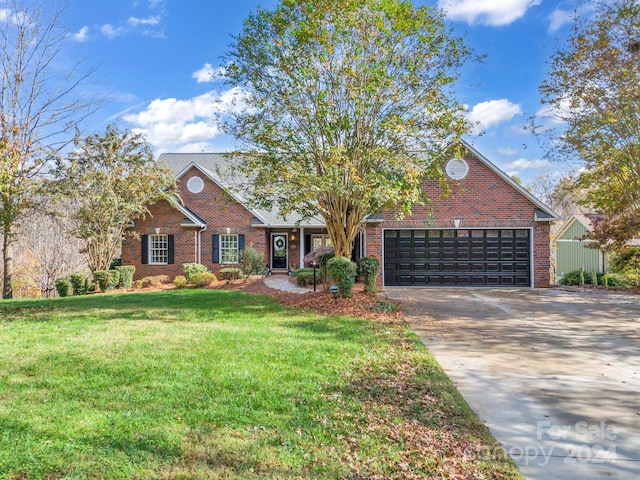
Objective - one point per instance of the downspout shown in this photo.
(199, 244)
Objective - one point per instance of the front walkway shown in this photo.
(284, 283)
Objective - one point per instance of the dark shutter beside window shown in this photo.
(145, 249)
(216, 249)
(307, 244)
(240, 242)
(170, 249)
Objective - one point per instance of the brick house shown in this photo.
(488, 232)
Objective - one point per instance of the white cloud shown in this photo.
(487, 12)
(507, 151)
(208, 74)
(82, 35)
(492, 112)
(175, 125)
(155, 3)
(110, 31)
(135, 22)
(521, 164)
(559, 18)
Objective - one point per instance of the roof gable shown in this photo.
(545, 214)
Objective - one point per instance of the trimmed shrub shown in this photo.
(231, 273)
(343, 271)
(203, 279)
(102, 279)
(325, 276)
(191, 269)
(252, 262)
(368, 270)
(126, 275)
(114, 279)
(155, 281)
(78, 283)
(295, 273)
(305, 278)
(63, 286)
(116, 262)
(137, 284)
(180, 281)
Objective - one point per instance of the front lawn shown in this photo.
(220, 384)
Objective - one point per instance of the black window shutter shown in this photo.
(145, 249)
(216, 249)
(307, 244)
(240, 242)
(170, 248)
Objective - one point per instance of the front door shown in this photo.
(278, 250)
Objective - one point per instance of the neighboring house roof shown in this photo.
(583, 219)
(543, 212)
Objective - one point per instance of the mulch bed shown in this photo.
(360, 305)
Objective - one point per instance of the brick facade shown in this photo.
(482, 199)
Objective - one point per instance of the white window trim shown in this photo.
(229, 249)
(151, 249)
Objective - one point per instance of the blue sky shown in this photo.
(155, 59)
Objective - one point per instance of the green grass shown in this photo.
(219, 384)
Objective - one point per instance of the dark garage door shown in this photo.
(457, 257)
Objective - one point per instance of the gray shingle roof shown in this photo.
(216, 166)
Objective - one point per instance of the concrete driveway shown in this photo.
(554, 374)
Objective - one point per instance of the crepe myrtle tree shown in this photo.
(593, 90)
(348, 106)
(108, 181)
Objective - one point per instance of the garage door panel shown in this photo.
(464, 257)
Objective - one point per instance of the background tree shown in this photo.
(561, 194)
(107, 182)
(349, 106)
(594, 89)
(38, 108)
(44, 252)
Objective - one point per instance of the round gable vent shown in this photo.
(195, 184)
(456, 169)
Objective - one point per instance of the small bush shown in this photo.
(231, 273)
(626, 264)
(114, 279)
(138, 284)
(343, 271)
(63, 286)
(116, 262)
(180, 281)
(203, 279)
(305, 279)
(295, 273)
(368, 270)
(578, 277)
(191, 269)
(323, 263)
(102, 279)
(78, 283)
(252, 262)
(126, 275)
(155, 281)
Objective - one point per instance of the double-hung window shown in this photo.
(158, 249)
(319, 241)
(229, 248)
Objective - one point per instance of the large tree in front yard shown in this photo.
(594, 90)
(107, 182)
(349, 105)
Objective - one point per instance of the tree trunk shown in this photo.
(7, 261)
